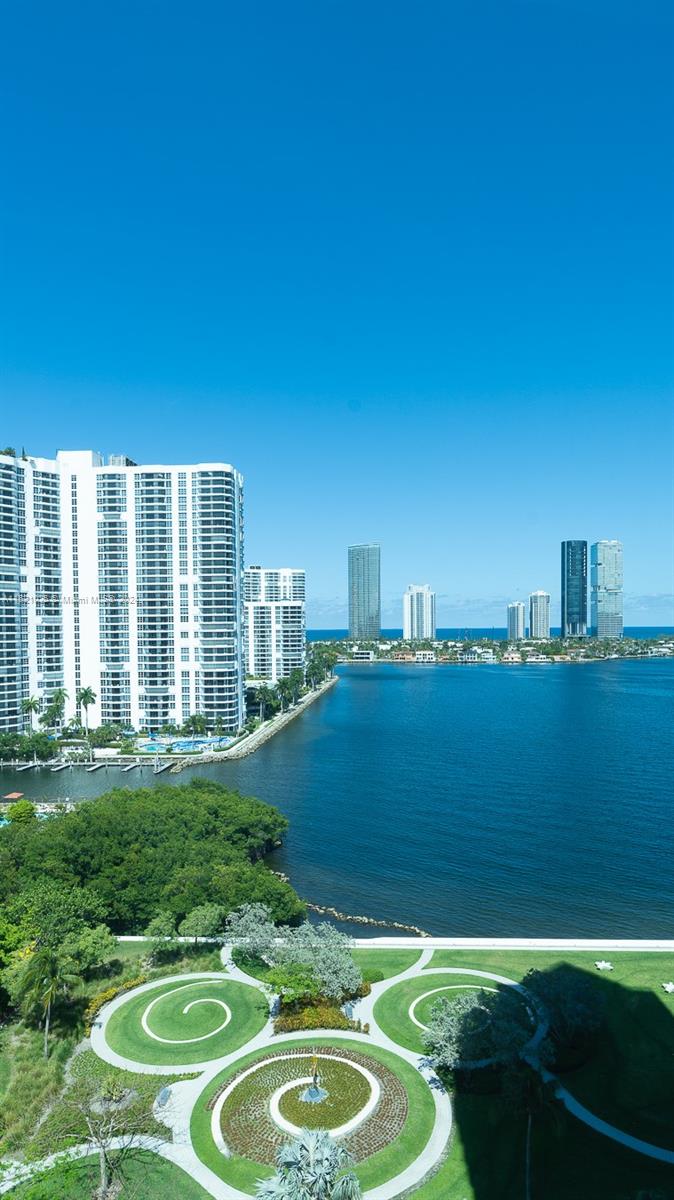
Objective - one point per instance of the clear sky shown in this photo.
(407, 266)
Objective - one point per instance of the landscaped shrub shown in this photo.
(314, 1016)
(96, 1003)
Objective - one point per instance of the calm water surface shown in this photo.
(470, 800)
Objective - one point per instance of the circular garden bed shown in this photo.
(385, 1103)
(404, 1011)
(186, 1021)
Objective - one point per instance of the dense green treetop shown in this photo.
(142, 850)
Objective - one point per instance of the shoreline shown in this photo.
(173, 764)
(254, 740)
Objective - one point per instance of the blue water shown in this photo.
(471, 800)
(492, 631)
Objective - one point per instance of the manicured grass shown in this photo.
(243, 1172)
(569, 1161)
(629, 1080)
(392, 1009)
(383, 964)
(374, 964)
(125, 1033)
(148, 1177)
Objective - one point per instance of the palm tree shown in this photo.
(45, 974)
(85, 697)
(310, 1168)
(296, 683)
(526, 1090)
(56, 706)
(284, 693)
(264, 699)
(29, 706)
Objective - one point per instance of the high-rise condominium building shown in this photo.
(516, 621)
(539, 615)
(418, 613)
(574, 589)
(606, 581)
(365, 591)
(124, 579)
(274, 621)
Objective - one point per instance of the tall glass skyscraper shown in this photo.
(365, 591)
(574, 589)
(606, 578)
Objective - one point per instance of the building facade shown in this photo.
(574, 589)
(516, 621)
(419, 613)
(365, 591)
(129, 581)
(606, 582)
(274, 621)
(539, 615)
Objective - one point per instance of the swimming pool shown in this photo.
(182, 745)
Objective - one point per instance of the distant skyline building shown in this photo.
(606, 581)
(274, 621)
(365, 591)
(124, 579)
(539, 615)
(516, 621)
(574, 589)
(419, 613)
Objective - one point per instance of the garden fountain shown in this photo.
(314, 1094)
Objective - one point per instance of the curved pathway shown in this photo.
(176, 1113)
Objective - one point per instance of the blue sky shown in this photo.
(409, 267)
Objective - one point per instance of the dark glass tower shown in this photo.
(574, 589)
(364, 592)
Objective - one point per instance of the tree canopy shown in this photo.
(140, 851)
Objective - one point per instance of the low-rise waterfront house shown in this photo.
(425, 656)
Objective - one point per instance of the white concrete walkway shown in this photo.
(177, 1112)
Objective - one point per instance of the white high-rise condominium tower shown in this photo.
(606, 582)
(127, 580)
(418, 613)
(274, 621)
(516, 621)
(539, 615)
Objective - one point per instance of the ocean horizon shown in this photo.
(495, 632)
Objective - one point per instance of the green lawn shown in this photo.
(569, 1161)
(125, 1033)
(149, 1177)
(629, 1081)
(374, 964)
(383, 964)
(392, 1009)
(243, 1172)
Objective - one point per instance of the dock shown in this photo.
(95, 766)
(130, 766)
(26, 766)
(159, 767)
(60, 767)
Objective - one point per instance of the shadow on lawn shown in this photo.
(518, 1139)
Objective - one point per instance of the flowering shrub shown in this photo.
(313, 1016)
(96, 1003)
(247, 1125)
